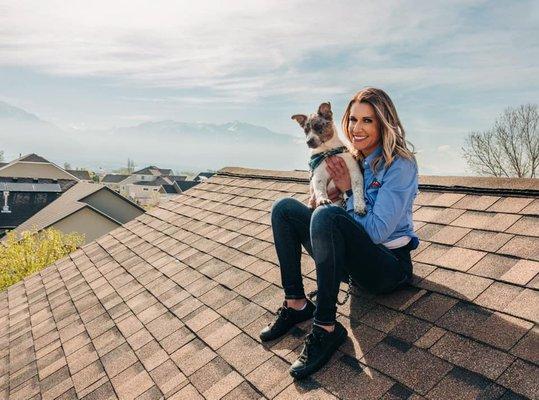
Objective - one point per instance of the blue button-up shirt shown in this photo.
(389, 196)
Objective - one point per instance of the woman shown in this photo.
(374, 249)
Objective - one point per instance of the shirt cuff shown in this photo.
(350, 203)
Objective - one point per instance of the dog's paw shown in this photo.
(322, 202)
(360, 209)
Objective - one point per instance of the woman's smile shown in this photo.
(364, 128)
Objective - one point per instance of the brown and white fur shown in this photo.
(321, 135)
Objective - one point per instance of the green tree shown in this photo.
(32, 251)
(1, 155)
(67, 165)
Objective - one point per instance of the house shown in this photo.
(146, 186)
(186, 185)
(149, 193)
(22, 198)
(203, 176)
(112, 181)
(170, 304)
(83, 175)
(28, 184)
(37, 167)
(86, 208)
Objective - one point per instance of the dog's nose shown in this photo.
(311, 142)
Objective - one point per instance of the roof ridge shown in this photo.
(512, 187)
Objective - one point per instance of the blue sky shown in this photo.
(450, 67)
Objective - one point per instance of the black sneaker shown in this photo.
(286, 319)
(318, 348)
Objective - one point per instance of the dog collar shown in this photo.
(317, 159)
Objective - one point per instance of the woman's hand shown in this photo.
(338, 171)
(334, 195)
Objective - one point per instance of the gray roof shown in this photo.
(33, 158)
(203, 175)
(30, 187)
(185, 185)
(114, 178)
(148, 170)
(81, 174)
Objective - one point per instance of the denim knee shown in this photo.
(282, 207)
(324, 215)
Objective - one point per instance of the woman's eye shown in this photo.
(367, 120)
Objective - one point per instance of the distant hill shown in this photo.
(171, 144)
(7, 111)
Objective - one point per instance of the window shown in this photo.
(41, 198)
(21, 199)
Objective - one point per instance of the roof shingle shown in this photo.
(170, 304)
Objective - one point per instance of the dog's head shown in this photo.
(318, 127)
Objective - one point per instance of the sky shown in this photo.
(451, 67)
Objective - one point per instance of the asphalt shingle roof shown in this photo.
(114, 178)
(81, 174)
(170, 304)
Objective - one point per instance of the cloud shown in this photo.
(243, 51)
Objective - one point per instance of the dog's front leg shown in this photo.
(312, 198)
(320, 182)
(356, 178)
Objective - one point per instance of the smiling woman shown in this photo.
(373, 249)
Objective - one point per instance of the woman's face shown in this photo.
(364, 128)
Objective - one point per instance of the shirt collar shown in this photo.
(368, 160)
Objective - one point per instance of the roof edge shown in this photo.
(527, 187)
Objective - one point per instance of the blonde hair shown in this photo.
(391, 129)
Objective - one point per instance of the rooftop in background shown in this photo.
(34, 166)
(82, 197)
(203, 175)
(83, 175)
(153, 170)
(171, 303)
(114, 178)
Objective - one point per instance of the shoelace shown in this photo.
(311, 295)
(311, 340)
(282, 315)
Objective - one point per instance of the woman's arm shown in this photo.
(399, 187)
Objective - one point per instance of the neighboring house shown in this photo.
(112, 181)
(87, 208)
(83, 175)
(192, 282)
(28, 184)
(202, 176)
(149, 193)
(34, 166)
(146, 186)
(186, 185)
(22, 198)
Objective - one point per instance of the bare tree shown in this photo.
(130, 166)
(510, 148)
(1, 155)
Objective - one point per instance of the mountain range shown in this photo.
(169, 144)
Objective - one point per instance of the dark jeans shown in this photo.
(339, 246)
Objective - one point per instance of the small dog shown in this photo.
(322, 139)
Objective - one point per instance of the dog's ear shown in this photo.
(325, 111)
(301, 119)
